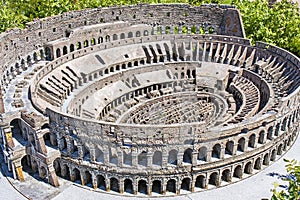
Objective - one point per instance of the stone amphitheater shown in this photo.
(145, 99)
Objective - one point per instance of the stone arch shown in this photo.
(130, 35)
(26, 164)
(229, 148)
(279, 149)
(186, 184)
(43, 172)
(248, 168)
(114, 184)
(57, 168)
(187, 156)
(72, 48)
(241, 144)
(65, 172)
(142, 187)
(202, 154)
(93, 41)
(200, 181)
(266, 159)
(115, 36)
(273, 155)
(216, 151)
(261, 137)
(128, 186)
(146, 32)
(107, 38)
(65, 50)
(85, 43)
(238, 172)
(270, 133)
(100, 40)
(171, 186)
(142, 158)
(172, 158)
(226, 175)
(257, 164)
(214, 179)
(284, 124)
(156, 186)
(122, 36)
(277, 130)
(138, 34)
(16, 130)
(58, 53)
(78, 45)
(157, 158)
(48, 54)
(88, 179)
(101, 182)
(251, 142)
(76, 176)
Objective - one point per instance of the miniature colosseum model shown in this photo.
(145, 99)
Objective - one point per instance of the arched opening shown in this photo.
(142, 186)
(122, 36)
(128, 186)
(76, 176)
(257, 164)
(88, 179)
(65, 172)
(65, 50)
(172, 158)
(58, 54)
(216, 152)
(138, 34)
(17, 132)
(202, 154)
(261, 137)
(186, 184)
(78, 45)
(130, 35)
(273, 155)
(115, 36)
(226, 175)
(57, 168)
(279, 149)
(266, 160)
(48, 141)
(251, 142)
(85, 43)
(101, 182)
(200, 181)
(214, 179)
(42, 172)
(26, 164)
(48, 54)
(238, 173)
(157, 158)
(187, 156)
(114, 184)
(142, 159)
(229, 148)
(171, 186)
(107, 38)
(241, 144)
(248, 168)
(156, 186)
(72, 48)
(270, 133)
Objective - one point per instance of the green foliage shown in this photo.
(292, 190)
(278, 25)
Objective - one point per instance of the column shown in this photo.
(52, 178)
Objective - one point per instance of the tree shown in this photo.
(291, 191)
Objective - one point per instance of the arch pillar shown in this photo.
(107, 183)
(149, 159)
(94, 181)
(179, 158)
(135, 186)
(134, 158)
(17, 169)
(222, 152)
(121, 186)
(52, 178)
(149, 188)
(235, 147)
(194, 158)
(120, 159)
(164, 187)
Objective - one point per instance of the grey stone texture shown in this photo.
(146, 99)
